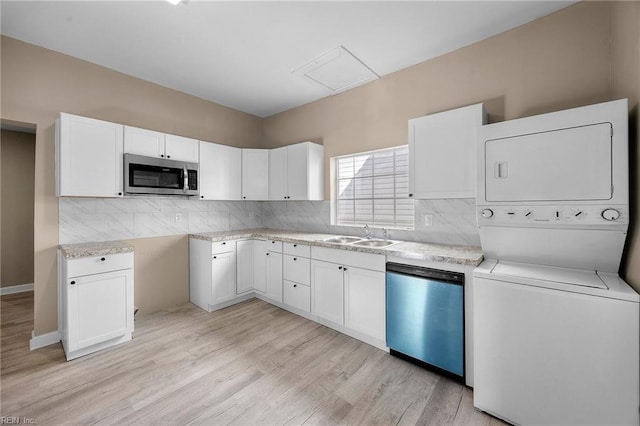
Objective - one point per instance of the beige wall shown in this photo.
(586, 53)
(17, 157)
(161, 272)
(38, 83)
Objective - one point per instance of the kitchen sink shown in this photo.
(342, 239)
(374, 243)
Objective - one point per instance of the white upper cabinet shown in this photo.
(255, 174)
(278, 188)
(442, 157)
(156, 144)
(181, 148)
(220, 172)
(88, 157)
(296, 172)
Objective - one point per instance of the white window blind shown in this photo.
(373, 189)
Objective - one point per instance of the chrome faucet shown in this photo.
(384, 234)
(367, 232)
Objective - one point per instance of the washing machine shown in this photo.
(556, 330)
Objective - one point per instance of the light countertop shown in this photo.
(460, 255)
(73, 251)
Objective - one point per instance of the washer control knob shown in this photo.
(486, 213)
(610, 214)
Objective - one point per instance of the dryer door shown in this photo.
(572, 164)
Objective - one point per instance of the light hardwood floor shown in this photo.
(251, 363)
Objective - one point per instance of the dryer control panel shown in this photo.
(552, 216)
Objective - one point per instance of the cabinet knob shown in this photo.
(295, 285)
(344, 269)
(202, 196)
(215, 257)
(410, 195)
(244, 198)
(168, 156)
(295, 258)
(295, 245)
(72, 282)
(224, 243)
(119, 193)
(102, 259)
(340, 268)
(273, 242)
(162, 155)
(267, 254)
(284, 198)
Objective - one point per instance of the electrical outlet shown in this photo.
(178, 217)
(428, 220)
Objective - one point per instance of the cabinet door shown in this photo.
(245, 266)
(181, 148)
(274, 276)
(255, 174)
(88, 157)
(278, 174)
(143, 142)
(297, 171)
(365, 301)
(223, 273)
(328, 291)
(260, 265)
(442, 155)
(100, 308)
(220, 172)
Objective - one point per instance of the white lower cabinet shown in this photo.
(260, 255)
(364, 302)
(212, 273)
(95, 302)
(297, 295)
(245, 259)
(327, 281)
(274, 270)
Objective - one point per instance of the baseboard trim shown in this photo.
(43, 340)
(21, 288)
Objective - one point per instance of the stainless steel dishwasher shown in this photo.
(425, 317)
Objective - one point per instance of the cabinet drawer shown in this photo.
(297, 296)
(99, 264)
(297, 269)
(375, 262)
(296, 249)
(222, 246)
(273, 245)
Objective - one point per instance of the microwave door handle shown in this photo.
(186, 180)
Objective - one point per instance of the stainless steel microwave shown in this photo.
(149, 175)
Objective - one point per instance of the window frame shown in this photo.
(335, 188)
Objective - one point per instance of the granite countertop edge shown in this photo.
(459, 255)
(102, 248)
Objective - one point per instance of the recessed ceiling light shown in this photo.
(337, 70)
(175, 2)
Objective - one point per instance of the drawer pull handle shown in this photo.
(102, 259)
(72, 282)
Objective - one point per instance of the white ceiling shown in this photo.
(242, 54)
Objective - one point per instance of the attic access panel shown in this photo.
(337, 70)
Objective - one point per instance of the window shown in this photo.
(373, 188)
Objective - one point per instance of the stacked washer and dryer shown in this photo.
(556, 331)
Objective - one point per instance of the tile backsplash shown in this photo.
(102, 219)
